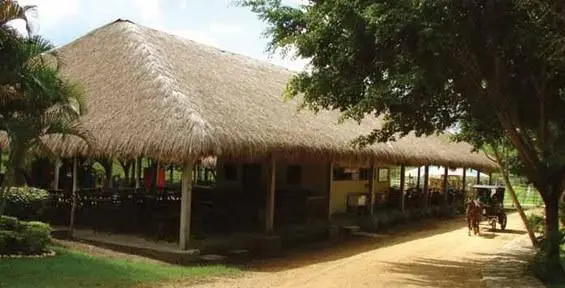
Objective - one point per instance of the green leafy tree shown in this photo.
(36, 101)
(11, 10)
(424, 66)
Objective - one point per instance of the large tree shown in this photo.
(427, 65)
(10, 10)
(35, 101)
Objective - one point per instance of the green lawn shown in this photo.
(75, 269)
(533, 199)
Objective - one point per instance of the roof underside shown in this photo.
(154, 94)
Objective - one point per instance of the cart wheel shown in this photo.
(493, 224)
(502, 220)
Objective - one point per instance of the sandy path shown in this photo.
(436, 254)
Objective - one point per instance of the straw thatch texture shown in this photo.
(154, 94)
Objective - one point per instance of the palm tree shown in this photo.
(10, 10)
(35, 101)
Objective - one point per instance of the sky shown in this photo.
(218, 23)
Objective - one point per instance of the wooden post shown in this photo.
(186, 205)
(402, 178)
(490, 178)
(478, 176)
(330, 189)
(74, 197)
(138, 168)
(56, 173)
(445, 184)
(464, 180)
(110, 174)
(171, 173)
(270, 205)
(426, 185)
(418, 180)
(372, 187)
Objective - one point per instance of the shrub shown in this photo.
(8, 223)
(25, 203)
(536, 223)
(35, 237)
(19, 237)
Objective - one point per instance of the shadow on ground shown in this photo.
(325, 252)
(439, 273)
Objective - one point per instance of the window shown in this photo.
(345, 174)
(294, 174)
(230, 172)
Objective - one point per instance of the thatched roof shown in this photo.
(155, 94)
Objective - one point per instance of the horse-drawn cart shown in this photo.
(492, 199)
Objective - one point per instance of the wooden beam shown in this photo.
(56, 173)
(402, 178)
(270, 205)
(186, 205)
(426, 185)
(74, 197)
(372, 187)
(330, 189)
(138, 169)
(418, 180)
(445, 183)
(464, 180)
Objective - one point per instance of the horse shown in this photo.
(473, 212)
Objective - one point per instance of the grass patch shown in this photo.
(75, 269)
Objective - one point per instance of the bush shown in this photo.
(536, 223)
(25, 203)
(19, 237)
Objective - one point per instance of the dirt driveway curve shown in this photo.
(435, 254)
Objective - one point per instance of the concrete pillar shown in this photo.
(138, 167)
(270, 205)
(73, 196)
(402, 178)
(330, 189)
(418, 180)
(464, 180)
(56, 173)
(186, 205)
(372, 187)
(445, 183)
(426, 185)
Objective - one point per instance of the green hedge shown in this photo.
(25, 203)
(20, 237)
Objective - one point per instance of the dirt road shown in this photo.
(433, 254)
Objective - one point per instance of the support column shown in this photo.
(56, 173)
(402, 178)
(171, 173)
(418, 180)
(372, 187)
(490, 178)
(478, 176)
(186, 205)
(138, 168)
(464, 180)
(73, 197)
(270, 205)
(426, 185)
(445, 184)
(330, 189)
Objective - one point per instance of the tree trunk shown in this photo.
(504, 171)
(552, 247)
